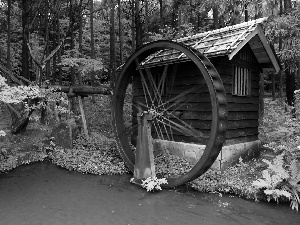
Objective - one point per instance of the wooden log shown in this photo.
(83, 90)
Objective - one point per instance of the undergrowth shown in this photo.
(274, 179)
(96, 154)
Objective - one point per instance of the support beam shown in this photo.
(144, 159)
(83, 90)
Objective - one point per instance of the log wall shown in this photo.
(242, 110)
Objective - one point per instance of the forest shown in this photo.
(60, 41)
(84, 43)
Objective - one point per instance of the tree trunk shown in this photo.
(179, 20)
(287, 5)
(8, 63)
(281, 72)
(216, 17)
(138, 32)
(25, 38)
(121, 32)
(161, 15)
(80, 30)
(290, 75)
(290, 86)
(133, 25)
(174, 13)
(112, 45)
(47, 39)
(54, 43)
(146, 21)
(246, 13)
(59, 52)
(298, 74)
(92, 44)
(72, 46)
(44, 112)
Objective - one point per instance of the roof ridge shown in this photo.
(223, 29)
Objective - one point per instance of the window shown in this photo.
(241, 81)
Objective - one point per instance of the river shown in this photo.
(44, 194)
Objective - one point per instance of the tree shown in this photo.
(112, 44)
(121, 31)
(8, 63)
(25, 38)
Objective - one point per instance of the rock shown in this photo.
(5, 117)
(64, 133)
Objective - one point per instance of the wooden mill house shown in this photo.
(239, 53)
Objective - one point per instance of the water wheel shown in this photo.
(163, 91)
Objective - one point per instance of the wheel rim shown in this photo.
(164, 107)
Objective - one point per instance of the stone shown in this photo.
(5, 117)
(64, 133)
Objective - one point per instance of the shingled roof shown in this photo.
(221, 42)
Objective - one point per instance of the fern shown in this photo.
(295, 171)
(276, 168)
(279, 180)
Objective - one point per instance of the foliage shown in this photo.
(84, 65)
(13, 158)
(33, 97)
(17, 94)
(279, 182)
(286, 27)
(169, 165)
(234, 180)
(96, 154)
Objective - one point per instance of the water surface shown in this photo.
(42, 193)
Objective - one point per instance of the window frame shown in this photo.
(240, 90)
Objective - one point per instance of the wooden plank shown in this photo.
(258, 49)
(237, 124)
(208, 115)
(207, 107)
(232, 124)
(231, 141)
(202, 88)
(241, 132)
(197, 115)
(205, 98)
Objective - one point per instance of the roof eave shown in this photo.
(258, 31)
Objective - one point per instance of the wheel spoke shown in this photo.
(144, 84)
(180, 96)
(184, 129)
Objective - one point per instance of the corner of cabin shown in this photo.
(239, 53)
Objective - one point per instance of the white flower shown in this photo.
(153, 183)
(268, 192)
(2, 133)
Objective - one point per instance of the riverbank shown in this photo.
(98, 155)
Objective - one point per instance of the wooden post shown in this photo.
(85, 128)
(261, 97)
(144, 159)
(273, 86)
